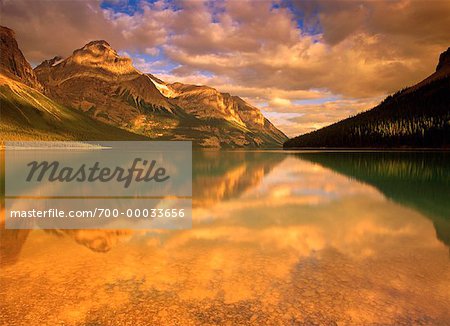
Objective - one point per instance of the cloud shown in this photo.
(271, 53)
(44, 30)
(48, 28)
(280, 102)
(366, 56)
(298, 119)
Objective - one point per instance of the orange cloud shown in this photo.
(274, 55)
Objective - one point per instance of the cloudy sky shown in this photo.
(306, 64)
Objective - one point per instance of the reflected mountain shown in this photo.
(11, 243)
(95, 240)
(101, 241)
(281, 243)
(419, 180)
(219, 176)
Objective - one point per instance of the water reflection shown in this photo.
(420, 180)
(219, 176)
(277, 239)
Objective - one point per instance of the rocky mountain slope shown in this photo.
(417, 116)
(96, 80)
(27, 114)
(208, 103)
(106, 86)
(12, 61)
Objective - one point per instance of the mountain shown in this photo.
(27, 114)
(12, 62)
(96, 80)
(208, 103)
(417, 116)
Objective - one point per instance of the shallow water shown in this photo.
(281, 238)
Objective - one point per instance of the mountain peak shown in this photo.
(100, 54)
(98, 43)
(99, 48)
(7, 32)
(444, 60)
(51, 62)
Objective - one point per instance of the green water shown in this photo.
(278, 238)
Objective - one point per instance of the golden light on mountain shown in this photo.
(101, 84)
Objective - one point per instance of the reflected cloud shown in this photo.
(220, 176)
(418, 180)
(284, 240)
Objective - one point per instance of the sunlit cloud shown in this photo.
(270, 52)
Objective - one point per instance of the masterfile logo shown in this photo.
(54, 172)
(98, 169)
(98, 184)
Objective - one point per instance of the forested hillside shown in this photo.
(417, 116)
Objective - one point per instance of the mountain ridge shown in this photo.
(98, 81)
(416, 117)
(27, 114)
(202, 100)
(444, 61)
(13, 62)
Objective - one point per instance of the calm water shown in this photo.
(278, 238)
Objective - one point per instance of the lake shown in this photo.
(278, 238)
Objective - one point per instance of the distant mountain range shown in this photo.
(416, 117)
(96, 94)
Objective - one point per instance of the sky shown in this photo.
(305, 64)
